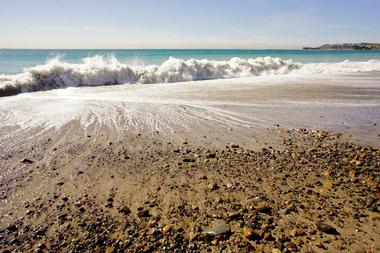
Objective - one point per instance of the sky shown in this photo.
(246, 24)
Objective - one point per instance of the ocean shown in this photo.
(33, 70)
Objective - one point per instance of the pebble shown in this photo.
(27, 161)
(12, 228)
(327, 229)
(298, 241)
(263, 208)
(166, 229)
(110, 250)
(267, 236)
(213, 186)
(374, 216)
(276, 251)
(211, 155)
(217, 230)
(192, 236)
(125, 210)
(248, 233)
(142, 213)
(290, 246)
(231, 216)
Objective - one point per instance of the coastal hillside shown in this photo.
(347, 46)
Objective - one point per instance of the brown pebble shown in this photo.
(248, 233)
(267, 236)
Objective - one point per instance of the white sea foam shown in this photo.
(100, 70)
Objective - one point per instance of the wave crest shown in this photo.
(100, 70)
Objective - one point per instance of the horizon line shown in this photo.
(22, 48)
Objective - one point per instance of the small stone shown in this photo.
(276, 251)
(263, 208)
(234, 146)
(27, 161)
(62, 217)
(110, 250)
(374, 216)
(155, 232)
(267, 236)
(214, 242)
(231, 216)
(287, 210)
(327, 229)
(142, 213)
(217, 230)
(213, 186)
(166, 229)
(229, 185)
(298, 241)
(192, 236)
(12, 228)
(327, 186)
(125, 210)
(290, 246)
(211, 155)
(248, 233)
(187, 160)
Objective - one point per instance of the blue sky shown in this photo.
(186, 24)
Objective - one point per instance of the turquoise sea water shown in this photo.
(13, 61)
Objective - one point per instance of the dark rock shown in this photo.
(27, 161)
(188, 160)
(63, 217)
(211, 155)
(327, 229)
(12, 228)
(125, 210)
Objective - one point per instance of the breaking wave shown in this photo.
(100, 70)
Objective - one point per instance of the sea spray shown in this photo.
(101, 70)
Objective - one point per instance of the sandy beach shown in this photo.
(279, 164)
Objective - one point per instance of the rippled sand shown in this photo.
(345, 103)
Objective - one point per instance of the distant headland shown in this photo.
(347, 46)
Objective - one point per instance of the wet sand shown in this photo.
(146, 168)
